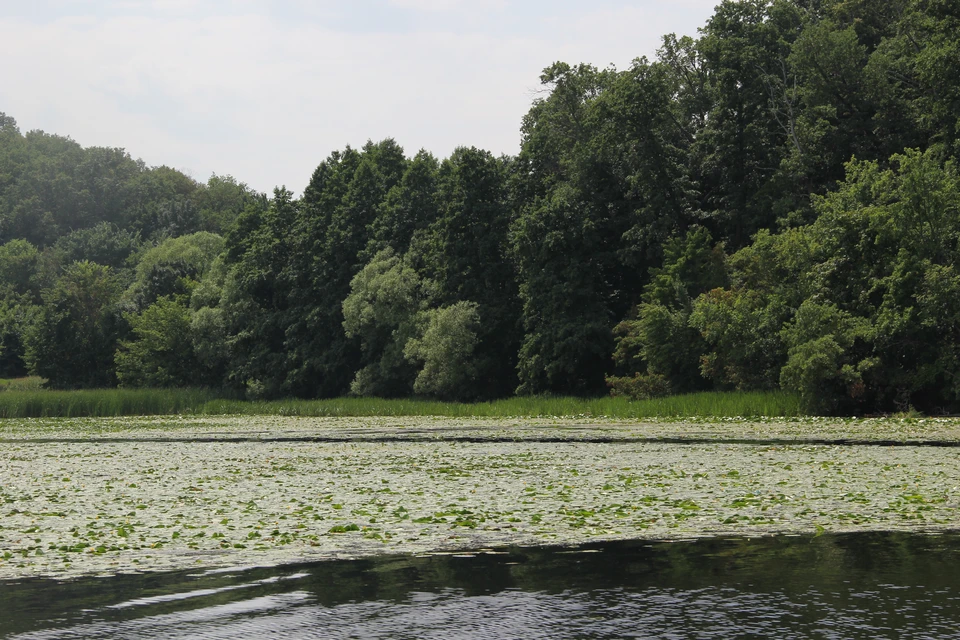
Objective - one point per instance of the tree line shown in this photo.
(773, 204)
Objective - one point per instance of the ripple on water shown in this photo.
(861, 585)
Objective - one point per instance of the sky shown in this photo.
(265, 90)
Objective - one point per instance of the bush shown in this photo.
(640, 386)
(446, 351)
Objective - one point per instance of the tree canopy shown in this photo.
(772, 204)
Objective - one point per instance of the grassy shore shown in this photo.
(102, 402)
(146, 402)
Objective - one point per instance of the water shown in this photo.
(845, 586)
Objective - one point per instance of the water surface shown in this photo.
(871, 585)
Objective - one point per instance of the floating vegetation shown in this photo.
(82, 496)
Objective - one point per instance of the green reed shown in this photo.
(142, 402)
(102, 402)
(766, 404)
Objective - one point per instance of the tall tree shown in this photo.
(739, 151)
(560, 241)
(465, 253)
(410, 206)
(256, 294)
(333, 229)
(72, 340)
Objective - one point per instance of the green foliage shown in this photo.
(73, 337)
(640, 386)
(208, 292)
(603, 181)
(160, 352)
(19, 262)
(741, 324)
(162, 203)
(331, 229)
(385, 298)
(17, 314)
(29, 383)
(658, 344)
(563, 240)
(410, 206)
(103, 243)
(744, 47)
(464, 253)
(567, 339)
(887, 239)
(173, 268)
(255, 294)
(20, 281)
(818, 338)
(852, 310)
(208, 337)
(221, 200)
(777, 135)
(913, 67)
(741, 329)
(446, 351)
(383, 295)
(51, 186)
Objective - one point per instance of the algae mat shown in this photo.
(107, 496)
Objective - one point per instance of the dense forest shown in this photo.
(774, 204)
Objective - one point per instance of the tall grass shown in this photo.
(101, 402)
(748, 404)
(143, 402)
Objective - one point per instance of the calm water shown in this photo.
(849, 586)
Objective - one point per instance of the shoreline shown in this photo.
(107, 496)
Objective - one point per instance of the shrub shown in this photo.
(640, 386)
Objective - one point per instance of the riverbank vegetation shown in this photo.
(773, 205)
(150, 402)
(102, 402)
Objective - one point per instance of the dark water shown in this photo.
(846, 586)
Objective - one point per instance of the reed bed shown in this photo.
(745, 404)
(102, 402)
(144, 402)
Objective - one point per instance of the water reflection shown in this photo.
(849, 586)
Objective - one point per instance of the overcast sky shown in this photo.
(264, 90)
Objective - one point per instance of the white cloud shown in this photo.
(428, 5)
(266, 99)
(472, 6)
